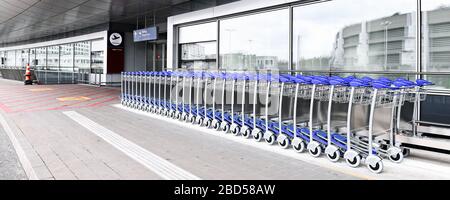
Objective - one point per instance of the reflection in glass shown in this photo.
(25, 58)
(66, 62)
(41, 58)
(360, 35)
(436, 40)
(198, 33)
(259, 41)
(82, 56)
(198, 55)
(53, 58)
(11, 58)
(198, 46)
(97, 56)
(18, 62)
(32, 59)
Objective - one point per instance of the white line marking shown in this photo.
(26, 164)
(153, 162)
(408, 169)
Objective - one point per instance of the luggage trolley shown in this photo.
(176, 113)
(201, 104)
(136, 97)
(132, 95)
(262, 123)
(319, 91)
(218, 114)
(409, 91)
(140, 94)
(196, 86)
(152, 83)
(125, 90)
(146, 95)
(329, 89)
(228, 113)
(241, 121)
(166, 103)
(382, 95)
(277, 129)
(209, 112)
(297, 133)
(187, 98)
(250, 121)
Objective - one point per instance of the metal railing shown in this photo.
(47, 77)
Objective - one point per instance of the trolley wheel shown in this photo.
(216, 126)
(355, 162)
(284, 144)
(334, 157)
(247, 133)
(226, 128)
(376, 168)
(258, 136)
(208, 123)
(406, 152)
(271, 140)
(300, 147)
(315, 152)
(193, 119)
(397, 158)
(236, 131)
(199, 121)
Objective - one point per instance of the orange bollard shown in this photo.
(28, 80)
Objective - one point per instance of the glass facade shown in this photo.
(436, 40)
(259, 41)
(86, 56)
(359, 35)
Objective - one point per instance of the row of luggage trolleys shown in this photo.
(192, 97)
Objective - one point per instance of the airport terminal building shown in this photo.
(93, 41)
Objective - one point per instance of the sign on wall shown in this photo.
(115, 40)
(146, 34)
(115, 53)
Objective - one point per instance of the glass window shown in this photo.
(97, 56)
(25, 57)
(53, 58)
(359, 35)
(198, 45)
(199, 55)
(198, 33)
(11, 58)
(41, 58)
(436, 40)
(66, 62)
(2, 58)
(32, 59)
(18, 62)
(82, 56)
(259, 41)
